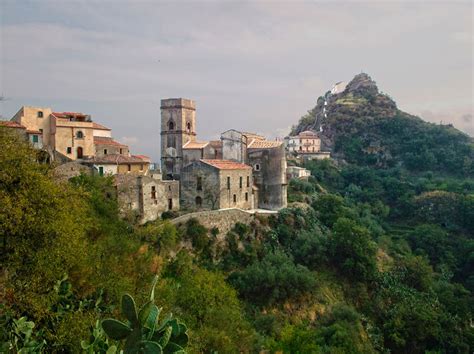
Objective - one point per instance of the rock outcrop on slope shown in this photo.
(363, 125)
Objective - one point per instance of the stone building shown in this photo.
(146, 197)
(295, 172)
(216, 184)
(112, 164)
(67, 136)
(304, 142)
(180, 149)
(268, 159)
(178, 124)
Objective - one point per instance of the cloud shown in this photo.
(255, 66)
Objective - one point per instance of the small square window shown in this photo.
(105, 151)
(40, 114)
(69, 150)
(35, 138)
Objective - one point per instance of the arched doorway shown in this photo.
(79, 152)
(198, 201)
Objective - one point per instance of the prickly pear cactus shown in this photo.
(143, 333)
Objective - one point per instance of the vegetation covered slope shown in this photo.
(373, 256)
(364, 126)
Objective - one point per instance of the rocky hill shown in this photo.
(363, 125)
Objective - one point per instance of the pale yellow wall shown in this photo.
(65, 135)
(139, 169)
(227, 196)
(28, 117)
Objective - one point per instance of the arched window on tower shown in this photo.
(188, 127)
(171, 125)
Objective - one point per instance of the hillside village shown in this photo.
(242, 170)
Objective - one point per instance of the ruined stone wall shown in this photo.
(146, 196)
(224, 219)
(269, 171)
(209, 193)
(68, 170)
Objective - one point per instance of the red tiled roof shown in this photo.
(195, 145)
(116, 159)
(226, 164)
(264, 144)
(253, 136)
(99, 140)
(143, 157)
(99, 126)
(11, 124)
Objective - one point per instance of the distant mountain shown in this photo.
(364, 126)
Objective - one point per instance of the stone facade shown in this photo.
(269, 171)
(71, 169)
(295, 172)
(181, 153)
(216, 184)
(305, 142)
(178, 126)
(145, 196)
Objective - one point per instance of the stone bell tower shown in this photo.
(178, 126)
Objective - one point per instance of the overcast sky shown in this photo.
(254, 66)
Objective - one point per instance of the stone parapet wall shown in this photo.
(223, 219)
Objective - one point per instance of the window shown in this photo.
(170, 204)
(198, 201)
(153, 192)
(35, 138)
(79, 135)
(171, 125)
(246, 197)
(69, 150)
(169, 188)
(101, 170)
(105, 151)
(40, 114)
(228, 182)
(235, 199)
(120, 151)
(199, 184)
(79, 152)
(248, 181)
(41, 131)
(188, 126)
(240, 182)
(141, 167)
(301, 148)
(256, 167)
(129, 167)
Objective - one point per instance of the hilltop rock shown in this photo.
(362, 84)
(362, 125)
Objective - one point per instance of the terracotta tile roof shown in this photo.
(226, 164)
(99, 140)
(11, 124)
(99, 126)
(143, 157)
(253, 136)
(264, 144)
(195, 144)
(115, 159)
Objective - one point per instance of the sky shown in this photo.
(250, 65)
